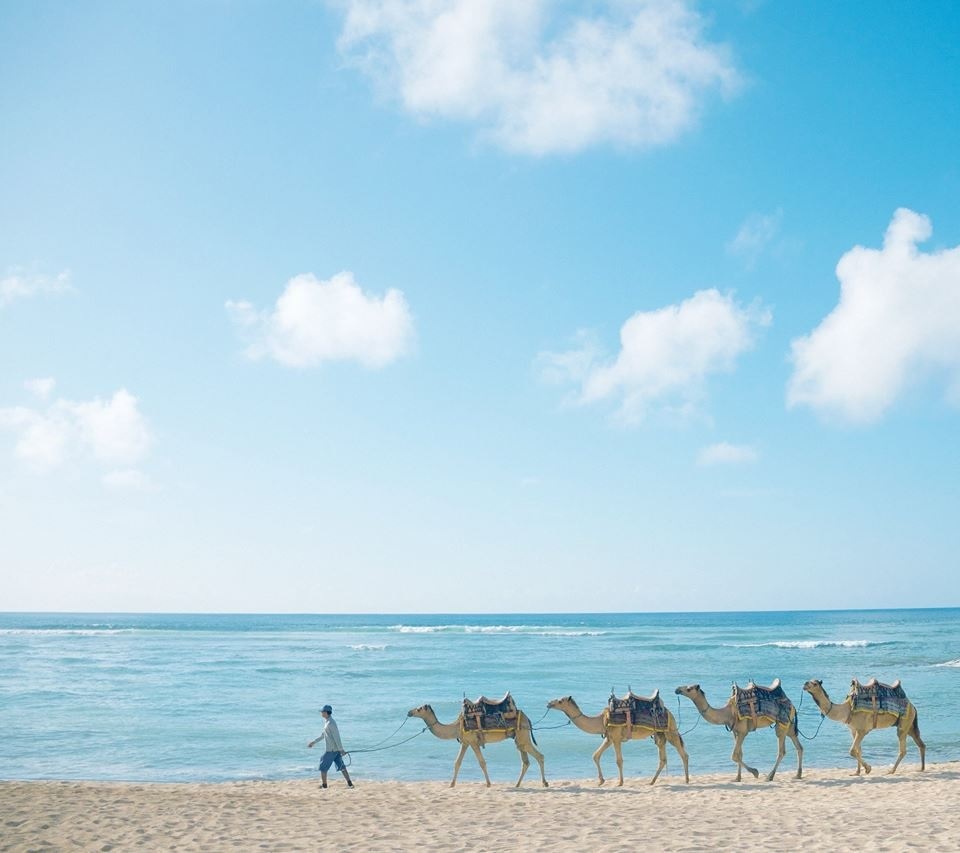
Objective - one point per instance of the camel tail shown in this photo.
(533, 737)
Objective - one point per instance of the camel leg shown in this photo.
(661, 742)
(596, 758)
(529, 747)
(781, 751)
(618, 749)
(857, 752)
(677, 743)
(457, 763)
(915, 734)
(902, 738)
(481, 762)
(799, 748)
(524, 764)
(738, 757)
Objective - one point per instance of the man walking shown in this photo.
(333, 747)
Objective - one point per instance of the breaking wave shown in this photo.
(66, 632)
(536, 630)
(807, 644)
(952, 663)
(369, 647)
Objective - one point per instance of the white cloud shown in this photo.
(755, 235)
(897, 322)
(538, 80)
(315, 321)
(727, 454)
(41, 388)
(18, 284)
(665, 355)
(43, 436)
(129, 479)
(111, 431)
(114, 429)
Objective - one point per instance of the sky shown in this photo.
(476, 306)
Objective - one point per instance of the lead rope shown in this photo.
(697, 723)
(537, 725)
(822, 718)
(378, 747)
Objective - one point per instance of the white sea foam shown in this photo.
(571, 633)
(422, 629)
(806, 644)
(953, 663)
(537, 630)
(369, 647)
(65, 632)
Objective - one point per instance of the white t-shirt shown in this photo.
(331, 737)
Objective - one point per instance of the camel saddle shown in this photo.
(489, 714)
(755, 702)
(647, 712)
(878, 698)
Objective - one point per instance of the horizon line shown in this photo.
(461, 612)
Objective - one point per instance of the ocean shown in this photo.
(165, 697)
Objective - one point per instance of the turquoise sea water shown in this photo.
(219, 697)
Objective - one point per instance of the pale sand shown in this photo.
(827, 809)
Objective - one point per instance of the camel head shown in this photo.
(689, 690)
(561, 704)
(812, 685)
(422, 712)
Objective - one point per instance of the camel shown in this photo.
(862, 721)
(521, 731)
(616, 734)
(742, 724)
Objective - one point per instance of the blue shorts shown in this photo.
(329, 758)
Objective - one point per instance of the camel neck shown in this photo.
(717, 716)
(592, 725)
(444, 731)
(832, 710)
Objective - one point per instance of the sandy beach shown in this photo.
(827, 809)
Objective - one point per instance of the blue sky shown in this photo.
(371, 306)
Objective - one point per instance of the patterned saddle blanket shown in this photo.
(875, 697)
(487, 714)
(632, 710)
(754, 702)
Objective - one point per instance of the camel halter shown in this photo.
(823, 715)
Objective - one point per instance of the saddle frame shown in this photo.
(773, 693)
(626, 705)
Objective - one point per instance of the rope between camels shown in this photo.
(537, 723)
(560, 726)
(697, 723)
(822, 718)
